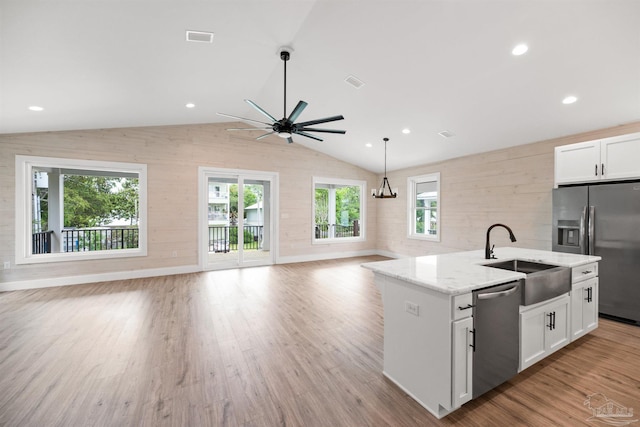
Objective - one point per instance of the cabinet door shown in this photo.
(532, 332)
(578, 295)
(557, 334)
(577, 162)
(584, 308)
(462, 361)
(590, 306)
(619, 157)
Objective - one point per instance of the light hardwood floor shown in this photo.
(295, 345)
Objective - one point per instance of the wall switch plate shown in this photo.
(7, 265)
(412, 308)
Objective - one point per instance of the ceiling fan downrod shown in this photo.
(284, 55)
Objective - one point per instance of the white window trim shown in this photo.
(411, 191)
(24, 172)
(363, 210)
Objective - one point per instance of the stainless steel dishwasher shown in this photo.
(496, 341)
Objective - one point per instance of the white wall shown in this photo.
(173, 155)
(510, 186)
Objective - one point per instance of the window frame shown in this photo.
(412, 183)
(23, 228)
(363, 206)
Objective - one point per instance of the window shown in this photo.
(79, 209)
(337, 208)
(424, 207)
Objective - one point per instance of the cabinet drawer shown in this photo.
(584, 272)
(462, 306)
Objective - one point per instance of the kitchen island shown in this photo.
(429, 334)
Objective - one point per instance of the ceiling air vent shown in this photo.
(446, 134)
(354, 81)
(199, 36)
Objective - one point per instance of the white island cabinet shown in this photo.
(428, 319)
(584, 300)
(544, 328)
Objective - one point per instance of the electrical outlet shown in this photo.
(174, 254)
(412, 308)
(7, 265)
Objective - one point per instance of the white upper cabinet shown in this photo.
(578, 162)
(620, 157)
(611, 159)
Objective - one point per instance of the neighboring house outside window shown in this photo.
(424, 207)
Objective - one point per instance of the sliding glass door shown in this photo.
(236, 227)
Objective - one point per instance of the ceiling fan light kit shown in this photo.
(385, 182)
(286, 127)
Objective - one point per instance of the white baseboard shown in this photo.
(390, 254)
(92, 278)
(152, 272)
(322, 257)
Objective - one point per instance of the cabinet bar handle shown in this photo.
(596, 169)
(589, 294)
(602, 170)
(473, 339)
(587, 272)
(550, 325)
(466, 308)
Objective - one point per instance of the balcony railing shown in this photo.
(87, 239)
(41, 242)
(325, 231)
(225, 238)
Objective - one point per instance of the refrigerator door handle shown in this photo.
(583, 234)
(592, 229)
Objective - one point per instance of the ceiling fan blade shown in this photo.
(260, 110)
(308, 135)
(290, 140)
(296, 111)
(315, 122)
(242, 118)
(264, 128)
(265, 135)
(322, 130)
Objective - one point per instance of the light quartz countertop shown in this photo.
(462, 272)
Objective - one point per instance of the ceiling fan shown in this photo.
(286, 126)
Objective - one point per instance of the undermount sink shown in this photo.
(543, 281)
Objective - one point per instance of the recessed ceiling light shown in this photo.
(190, 105)
(406, 131)
(569, 99)
(520, 49)
(35, 108)
(368, 145)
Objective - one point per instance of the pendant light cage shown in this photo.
(380, 194)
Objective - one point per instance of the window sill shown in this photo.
(338, 240)
(80, 256)
(427, 237)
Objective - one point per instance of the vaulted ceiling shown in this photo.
(427, 66)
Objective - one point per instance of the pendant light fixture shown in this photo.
(385, 182)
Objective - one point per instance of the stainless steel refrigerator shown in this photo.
(604, 220)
